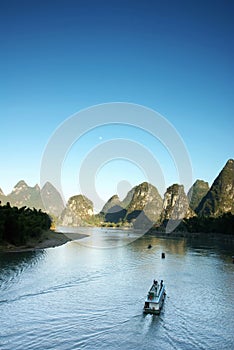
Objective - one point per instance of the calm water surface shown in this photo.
(80, 297)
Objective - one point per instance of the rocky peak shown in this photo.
(3, 198)
(52, 199)
(220, 198)
(37, 188)
(127, 200)
(78, 210)
(21, 185)
(229, 164)
(113, 210)
(198, 190)
(24, 195)
(143, 195)
(1, 192)
(145, 205)
(112, 202)
(48, 199)
(48, 188)
(175, 204)
(141, 206)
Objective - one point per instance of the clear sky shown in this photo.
(58, 57)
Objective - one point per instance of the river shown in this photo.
(86, 295)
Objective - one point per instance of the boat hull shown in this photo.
(154, 307)
(152, 311)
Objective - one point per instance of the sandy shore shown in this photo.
(50, 239)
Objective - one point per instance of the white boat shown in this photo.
(155, 298)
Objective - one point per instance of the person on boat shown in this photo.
(155, 283)
(161, 284)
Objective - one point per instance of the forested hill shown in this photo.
(19, 225)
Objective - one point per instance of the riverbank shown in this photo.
(49, 239)
(185, 234)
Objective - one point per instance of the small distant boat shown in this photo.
(155, 298)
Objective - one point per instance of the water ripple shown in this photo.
(73, 297)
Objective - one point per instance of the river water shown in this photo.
(85, 295)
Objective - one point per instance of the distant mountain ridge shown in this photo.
(24, 195)
(47, 199)
(142, 206)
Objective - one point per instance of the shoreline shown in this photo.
(191, 235)
(50, 239)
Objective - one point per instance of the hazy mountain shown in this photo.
(127, 200)
(2, 197)
(52, 199)
(24, 195)
(78, 210)
(197, 192)
(220, 197)
(48, 199)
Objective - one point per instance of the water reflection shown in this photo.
(101, 238)
(221, 246)
(176, 246)
(106, 238)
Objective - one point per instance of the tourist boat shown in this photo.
(155, 298)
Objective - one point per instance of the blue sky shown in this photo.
(58, 57)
